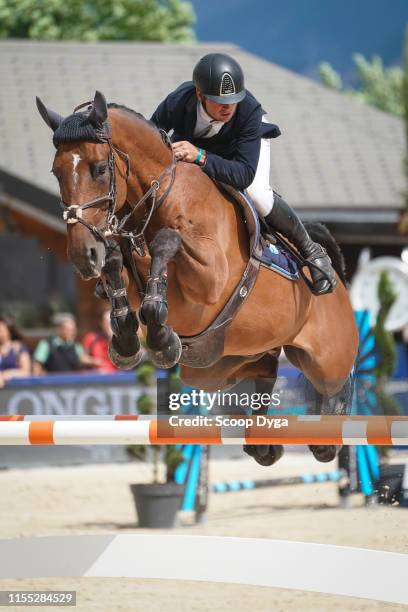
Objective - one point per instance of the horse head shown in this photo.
(92, 179)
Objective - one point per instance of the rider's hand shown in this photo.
(185, 151)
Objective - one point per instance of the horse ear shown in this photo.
(99, 112)
(52, 119)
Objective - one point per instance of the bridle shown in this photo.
(73, 213)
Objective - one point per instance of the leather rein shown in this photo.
(73, 213)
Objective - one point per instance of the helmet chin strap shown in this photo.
(203, 100)
(204, 103)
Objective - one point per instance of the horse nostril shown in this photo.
(93, 257)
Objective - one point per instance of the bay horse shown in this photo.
(168, 242)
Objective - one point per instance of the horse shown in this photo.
(168, 241)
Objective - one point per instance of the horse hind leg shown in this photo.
(265, 454)
(315, 403)
(163, 343)
(337, 404)
(230, 371)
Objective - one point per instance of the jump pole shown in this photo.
(324, 430)
(246, 485)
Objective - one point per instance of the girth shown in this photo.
(206, 348)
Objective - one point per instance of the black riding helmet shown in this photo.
(220, 78)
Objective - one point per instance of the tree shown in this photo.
(386, 347)
(405, 105)
(385, 342)
(329, 77)
(378, 86)
(152, 20)
(403, 224)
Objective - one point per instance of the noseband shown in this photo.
(73, 213)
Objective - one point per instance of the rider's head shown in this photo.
(219, 82)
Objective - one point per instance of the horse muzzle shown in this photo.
(89, 260)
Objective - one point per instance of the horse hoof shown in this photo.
(122, 362)
(324, 454)
(264, 454)
(168, 356)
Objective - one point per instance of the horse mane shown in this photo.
(130, 110)
(319, 233)
(136, 114)
(77, 127)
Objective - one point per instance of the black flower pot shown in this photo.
(157, 504)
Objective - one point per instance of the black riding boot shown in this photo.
(283, 219)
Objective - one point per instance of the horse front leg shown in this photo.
(124, 350)
(163, 343)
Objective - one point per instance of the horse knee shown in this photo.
(114, 261)
(164, 246)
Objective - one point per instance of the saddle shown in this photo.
(268, 248)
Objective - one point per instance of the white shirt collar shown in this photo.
(206, 126)
(205, 116)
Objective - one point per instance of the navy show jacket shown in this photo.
(233, 153)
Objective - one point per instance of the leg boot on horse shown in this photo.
(264, 454)
(163, 343)
(338, 404)
(124, 350)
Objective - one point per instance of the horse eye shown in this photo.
(99, 169)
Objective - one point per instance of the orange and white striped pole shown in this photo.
(348, 430)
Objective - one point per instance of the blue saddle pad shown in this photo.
(272, 256)
(276, 258)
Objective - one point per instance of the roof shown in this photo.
(334, 153)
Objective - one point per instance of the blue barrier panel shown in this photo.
(71, 394)
(365, 401)
(71, 378)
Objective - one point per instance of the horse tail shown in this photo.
(319, 233)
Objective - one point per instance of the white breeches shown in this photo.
(260, 191)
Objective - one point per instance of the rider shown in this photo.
(219, 125)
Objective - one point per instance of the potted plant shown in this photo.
(157, 502)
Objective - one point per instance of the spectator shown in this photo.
(14, 356)
(96, 343)
(61, 353)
